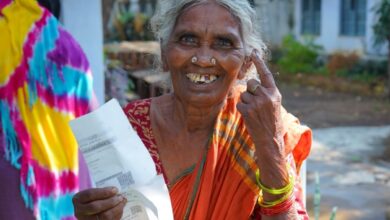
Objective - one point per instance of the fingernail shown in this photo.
(114, 189)
(118, 198)
(123, 199)
(257, 53)
(253, 53)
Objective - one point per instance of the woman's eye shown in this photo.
(189, 40)
(223, 43)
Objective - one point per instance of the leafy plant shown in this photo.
(298, 57)
(317, 197)
(351, 66)
(317, 200)
(128, 25)
(382, 31)
(381, 28)
(333, 215)
(340, 61)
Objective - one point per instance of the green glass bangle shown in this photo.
(280, 191)
(266, 204)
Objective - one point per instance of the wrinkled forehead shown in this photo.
(192, 4)
(208, 3)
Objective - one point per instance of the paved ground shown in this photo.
(351, 151)
(350, 177)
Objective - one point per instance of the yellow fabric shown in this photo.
(18, 22)
(50, 134)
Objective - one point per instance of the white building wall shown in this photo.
(83, 19)
(273, 18)
(330, 37)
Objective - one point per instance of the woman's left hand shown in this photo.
(260, 108)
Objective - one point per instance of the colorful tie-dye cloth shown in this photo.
(45, 81)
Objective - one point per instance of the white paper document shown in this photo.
(116, 156)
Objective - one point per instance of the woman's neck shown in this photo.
(190, 118)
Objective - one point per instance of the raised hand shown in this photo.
(260, 107)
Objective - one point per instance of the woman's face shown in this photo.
(206, 31)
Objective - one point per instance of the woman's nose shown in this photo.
(204, 57)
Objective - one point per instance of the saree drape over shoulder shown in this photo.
(222, 185)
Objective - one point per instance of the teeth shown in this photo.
(200, 79)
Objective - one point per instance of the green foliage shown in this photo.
(366, 71)
(382, 27)
(333, 215)
(127, 25)
(317, 200)
(298, 57)
(317, 197)
(131, 26)
(382, 32)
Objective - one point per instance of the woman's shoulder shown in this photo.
(138, 114)
(136, 108)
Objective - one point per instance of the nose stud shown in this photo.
(213, 61)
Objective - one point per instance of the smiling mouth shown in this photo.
(202, 78)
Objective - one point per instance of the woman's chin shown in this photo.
(203, 99)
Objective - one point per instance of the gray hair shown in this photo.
(167, 12)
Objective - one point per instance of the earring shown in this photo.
(213, 61)
(194, 59)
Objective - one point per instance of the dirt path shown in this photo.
(320, 109)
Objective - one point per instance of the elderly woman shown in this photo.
(225, 152)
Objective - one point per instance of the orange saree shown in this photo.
(223, 183)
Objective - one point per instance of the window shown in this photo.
(353, 17)
(311, 17)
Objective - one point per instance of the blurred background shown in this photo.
(333, 62)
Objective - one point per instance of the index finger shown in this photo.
(89, 195)
(267, 80)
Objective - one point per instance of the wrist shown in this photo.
(269, 150)
(273, 199)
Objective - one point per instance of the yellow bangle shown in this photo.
(272, 191)
(266, 204)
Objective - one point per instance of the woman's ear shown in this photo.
(244, 68)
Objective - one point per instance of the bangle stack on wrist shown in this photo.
(281, 205)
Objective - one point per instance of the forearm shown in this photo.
(274, 174)
(273, 166)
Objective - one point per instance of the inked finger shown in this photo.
(89, 195)
(267, 80)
